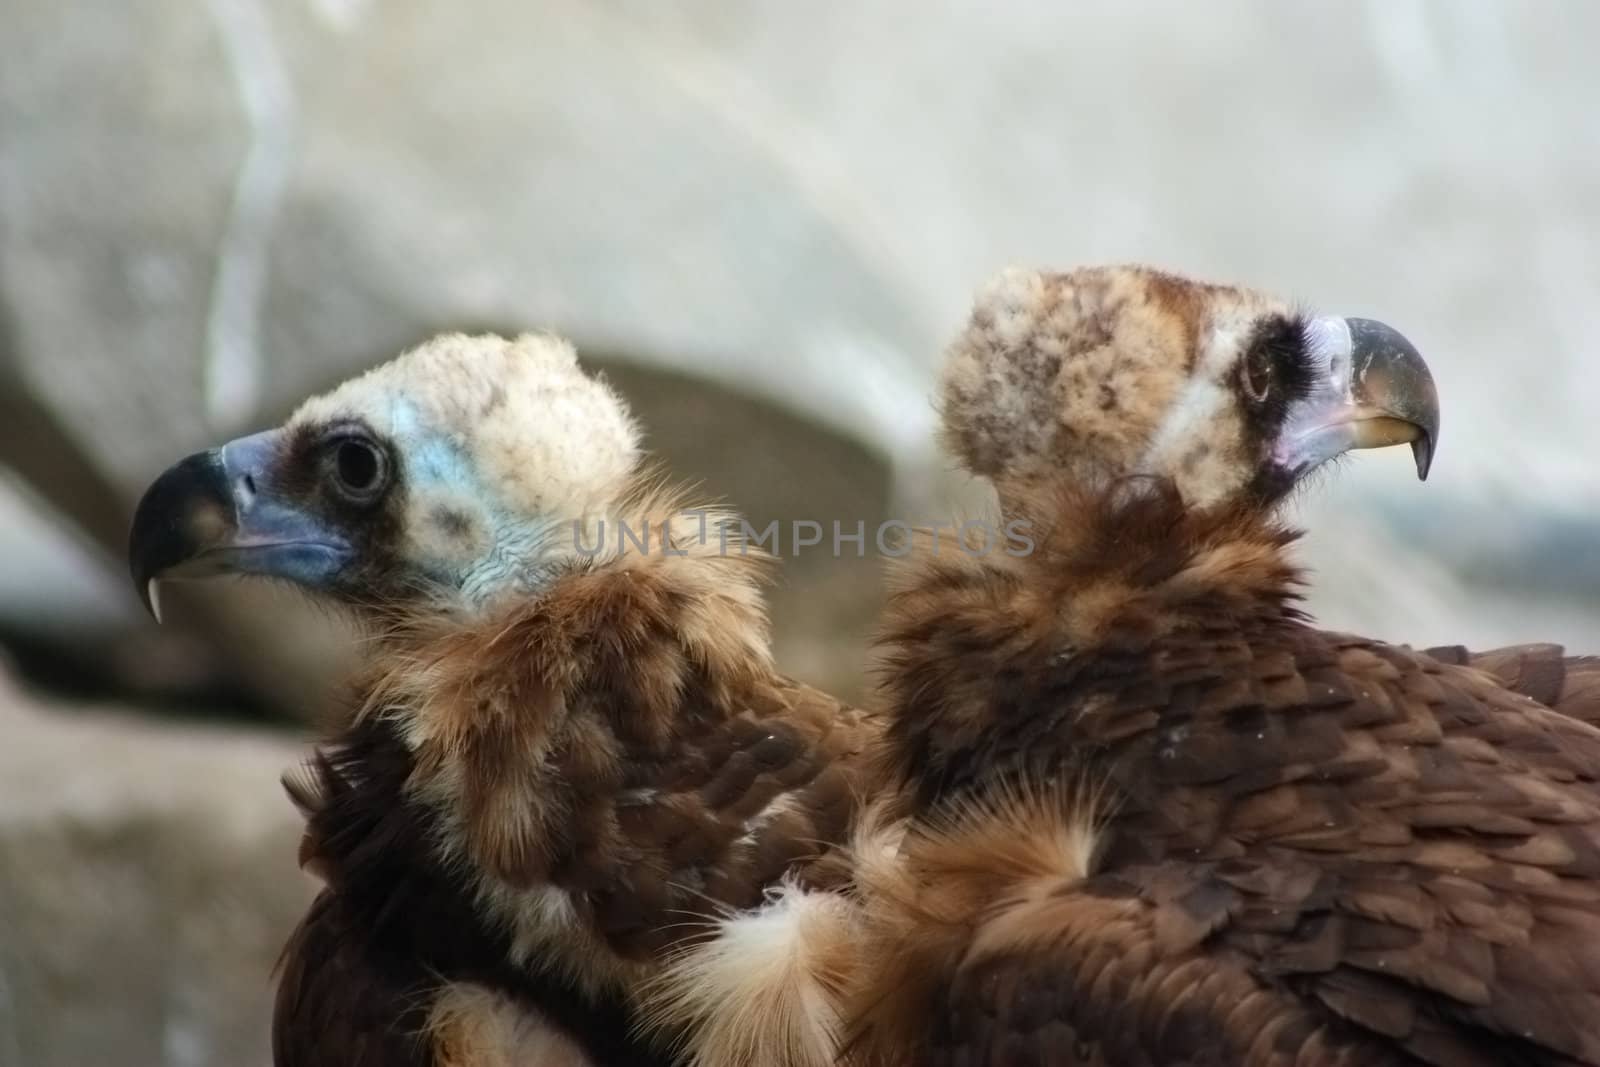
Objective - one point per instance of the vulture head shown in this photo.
(1232, 394)
(453, 473)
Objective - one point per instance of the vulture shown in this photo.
(575, 815)
(1145, 812)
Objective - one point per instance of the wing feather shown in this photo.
(1542, 672)
(340, 1003)
(1373, 855)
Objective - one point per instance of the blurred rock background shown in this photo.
(762, 219)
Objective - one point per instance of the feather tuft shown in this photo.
(471, 1026)
(765, 987)
(927, 888)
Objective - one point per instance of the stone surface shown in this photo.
(213, 209)
(147, 884)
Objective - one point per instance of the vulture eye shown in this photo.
(1275, 366)
(359, 467)
(1258, 372)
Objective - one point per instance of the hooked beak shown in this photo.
(1376, 392)
(222, 512)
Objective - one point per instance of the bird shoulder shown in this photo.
(613, 762)
(1385, 840)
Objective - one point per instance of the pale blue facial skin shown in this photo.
(271, 538)
(430, 457)
(515, 553)
(485, 550)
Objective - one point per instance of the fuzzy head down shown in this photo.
(1105, 372)
(499, 447)
(516, 422)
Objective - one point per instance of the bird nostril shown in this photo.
(249, 485)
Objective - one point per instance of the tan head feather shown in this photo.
(1104, 371)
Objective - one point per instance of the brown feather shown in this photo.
(395, 933)
(472, 1026)
(605, 771)
(1542, 672)
(1322, 849)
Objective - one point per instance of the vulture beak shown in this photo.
(223, 512)
(1376, 392)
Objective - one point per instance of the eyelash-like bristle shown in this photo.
(1291, 342)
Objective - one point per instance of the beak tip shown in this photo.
(1401, 386)
(1422, 452)
(178, 516)
(151, 595)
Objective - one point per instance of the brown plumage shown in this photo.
(1152, 815)
(1543, 672)
(617, 756)
(370, 974)
(573, 777)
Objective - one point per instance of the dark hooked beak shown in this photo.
(1377, 391)
(221, 512)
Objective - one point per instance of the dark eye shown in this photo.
(360, 469)
(1258, 372)
(1275, 368)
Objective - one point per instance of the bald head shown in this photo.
(521, 415)
(496, 447)
(1111, 371)
(450, 474)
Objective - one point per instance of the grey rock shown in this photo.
(211, 210)
(147, 884)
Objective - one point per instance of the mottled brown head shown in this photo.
(1110, 371)
(449, 475)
